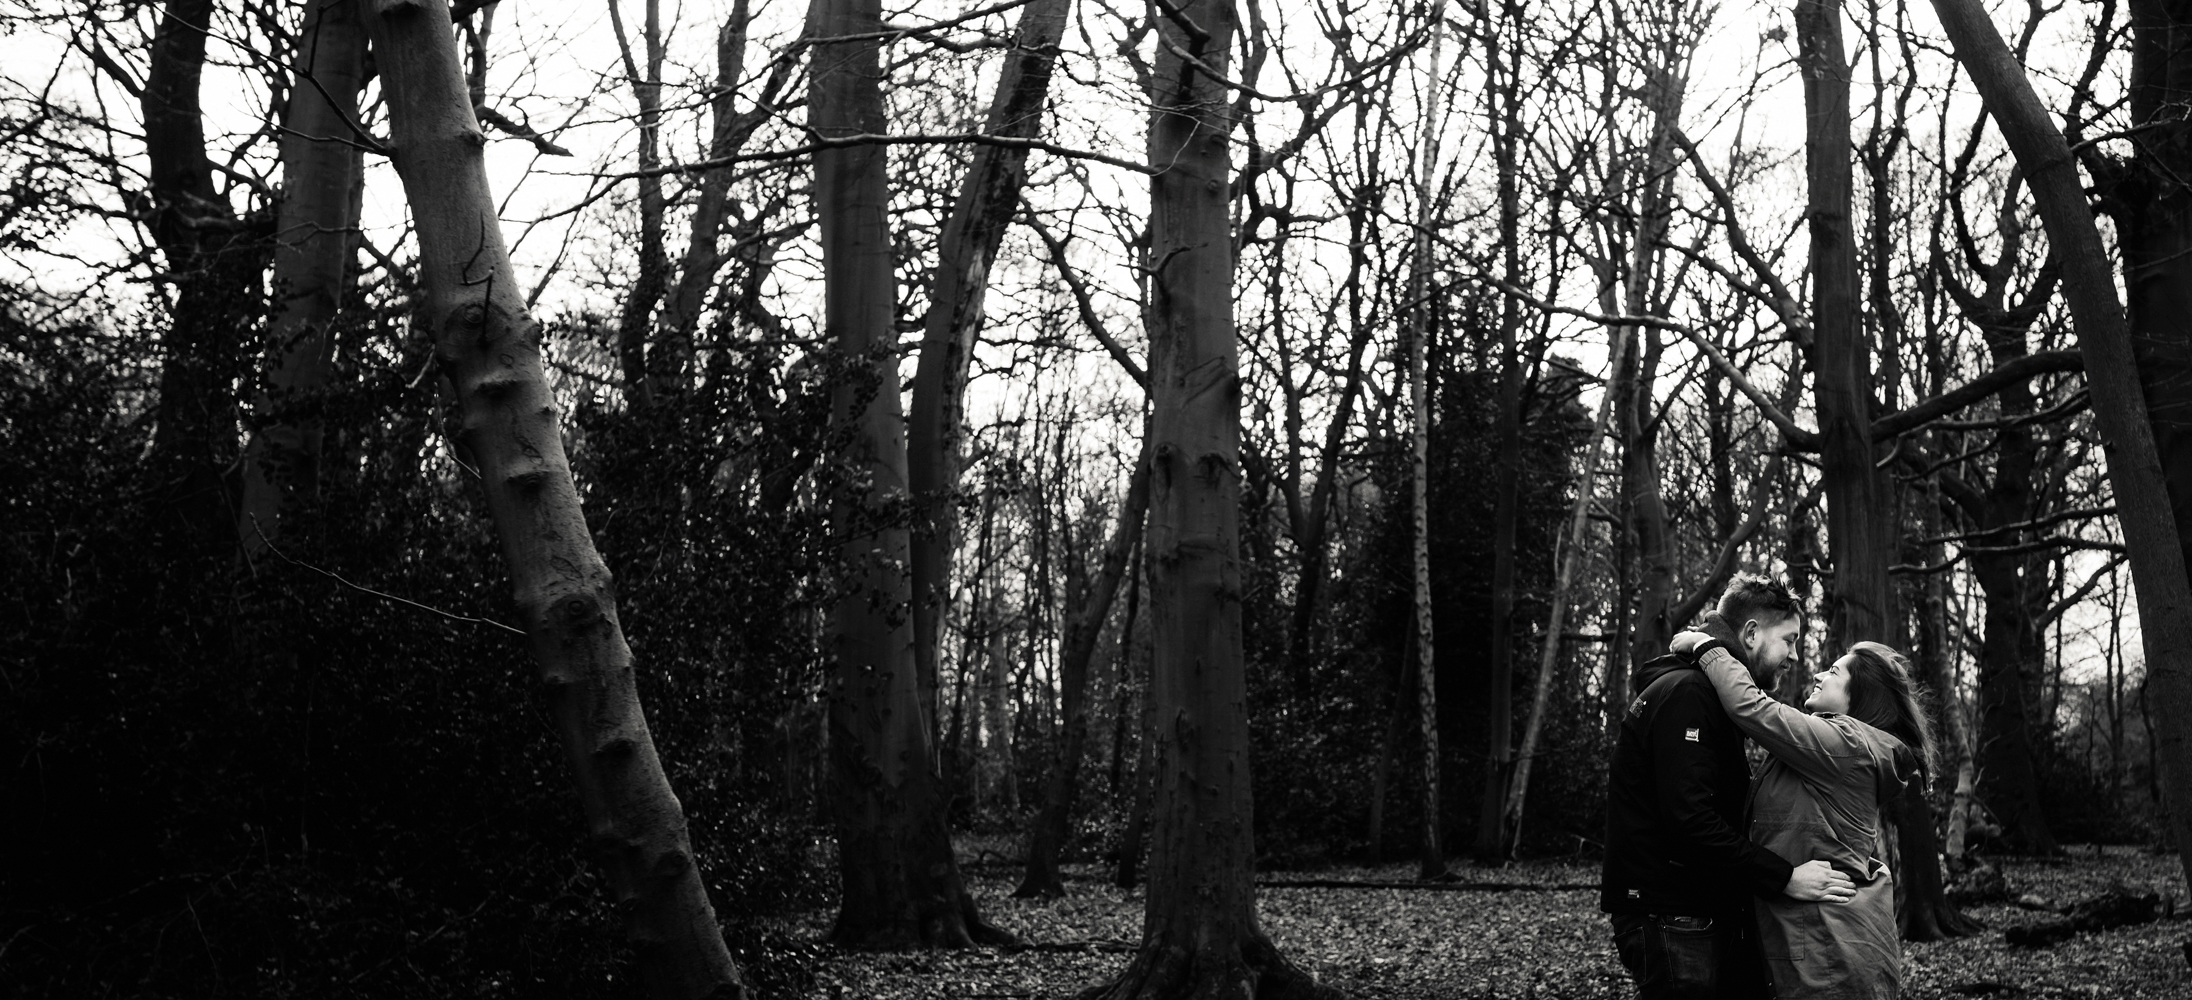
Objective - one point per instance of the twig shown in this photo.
(1086, 302)
(500, 121)
(2069, 407)
(2050, 542)
(1334, 883)
(871, 139)
(1797, 437)
(337, 577)
(2077, 595)
(2037, 522)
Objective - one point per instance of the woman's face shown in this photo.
(1830, 687)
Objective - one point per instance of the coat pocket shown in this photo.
(1795, 931)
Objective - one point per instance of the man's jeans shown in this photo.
(1689, 958)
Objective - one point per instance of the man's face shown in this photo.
(1767, 645)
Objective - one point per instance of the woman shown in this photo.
(1821, 796)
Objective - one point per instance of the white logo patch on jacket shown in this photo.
(1690, 734)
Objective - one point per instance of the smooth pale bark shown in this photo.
(1084, 626)
(988, 196)
(1953, 732)
(900, 884)
(1431, 857)
(1200, 937)
(490, 350)
(1860, 531)
(214, 266)
(2135, 468)
(312, 252)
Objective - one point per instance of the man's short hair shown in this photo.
(1752, 596)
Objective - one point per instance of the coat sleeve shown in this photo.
(1814, 747)
(1685, 771)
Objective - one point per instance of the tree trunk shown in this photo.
(1952, 736)
(1922, 907)
(1860, 531)
(900, 884)
(2135, 469)
(312, 251)
(1646, 505)
(1431, 857)
(1136, 835)
(1499, 697)
(214, 262)
(637, 314)
(2152, 205)
(1053, 824)
(1569, 555)
(1125, 675)
(988, 196)
(995, 774)
(2011, 785)
(673, 351)
(1647, 594)
(1199, 933)
(1381, 781)
(490, 350)
(2011, 582)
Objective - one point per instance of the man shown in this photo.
(1679, 873)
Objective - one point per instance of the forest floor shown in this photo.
(1541, 941)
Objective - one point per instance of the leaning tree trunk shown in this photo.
(1053, 824)
(900, 884)
(2104, 336)
(1860, 603)
(976, 228)
(312, 251)
(1568, 553)
(490, 350)
(1199, 932)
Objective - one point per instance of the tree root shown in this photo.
(1256, 971)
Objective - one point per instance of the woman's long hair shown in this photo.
(1884, 694)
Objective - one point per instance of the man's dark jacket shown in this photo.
(1674, 804)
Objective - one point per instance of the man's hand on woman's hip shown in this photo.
(1816, 881)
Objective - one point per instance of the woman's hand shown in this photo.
(1685, 642)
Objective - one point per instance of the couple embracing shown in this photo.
(1721, 885)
